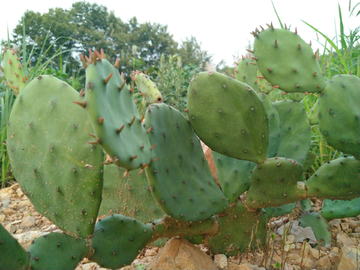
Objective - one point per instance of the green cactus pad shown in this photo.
(305, 205)
(114, 116)
(228, 116)
(247, 72)
(310, 159)
(129, 196)
(274, 125)
(118, 240)
(239, 230)
(314, 113)
(280, 210)
(50, 155)
(340, 209)
(274, 183)
(339, 114)
(296, 96)
(234, 175)
(12, 255)
(57, 251)
(288, 61)
(295, 130)
(180, 180)
(319, 225)
(13, 71)
(263, 85)
(336, 180)
(146, 87)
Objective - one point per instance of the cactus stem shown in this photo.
(108, 78)
(82, 104)
(132, 121)
(120, 129)
(101, 120)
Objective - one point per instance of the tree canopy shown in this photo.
(91, 26)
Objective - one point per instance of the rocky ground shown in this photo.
(21, 219)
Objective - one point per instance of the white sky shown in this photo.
(222, 27)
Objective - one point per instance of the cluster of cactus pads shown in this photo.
(115, 182)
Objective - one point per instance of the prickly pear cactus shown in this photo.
(219, 107)
(180, 178)
(13, 71)
(287, 61)
(146, 87)
(339, 114)
(57, 251)
(114, 116)
(50, 156)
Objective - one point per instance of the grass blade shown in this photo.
(333, 45)
(342, 34)
(282, 27)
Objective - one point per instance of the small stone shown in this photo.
(11, 228)
(15, 186)
(89, 266)
(8, 211)
(349, 258)
(290, 238)
(6, 193)
(288, 267)
(2, 218)
(305, 250)
(220, 261)
(24, 203)
(344, 226)
(344, 240)
(334, 257)
(323, 263)
(150, 252)
(27, 222)
(19, 231)
(307, 263)
(314, 253)
(19, 192)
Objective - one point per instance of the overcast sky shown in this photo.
(222, 27)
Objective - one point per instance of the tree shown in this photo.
(91, 26)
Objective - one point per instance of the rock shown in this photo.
(7, 211)
(315, 253)
(288, 267)
(6, 193)
(221, 261)
(307, 263)
(178, 253)
(349, 258)
(19, 192)
(344, 240)
(26, 238)
(11, 228)
(89, 266)
(28, 221)
(323, 263)
(245, 266)
(150, 252)
(25, 203)
(334, 257)
(2, 218)
(305, 250)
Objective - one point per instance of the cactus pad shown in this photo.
(146, 87)
(12, 255)
(50, 155)
(319, 225)
(336, 180)
(118, 240)
(114, 115)
(57, 251)
(295, 131)
(274, 183)
(180, 180)
(234, 175)
(339, 114)
(129, 196)
(246, 72)
(228, 116)
(288, 61)
(340, 209)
